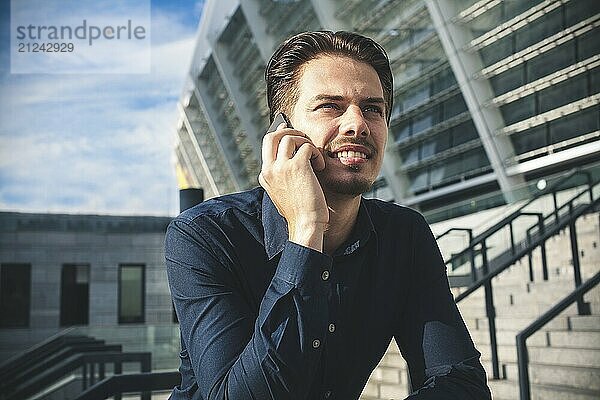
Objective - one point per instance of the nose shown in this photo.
(353, 122)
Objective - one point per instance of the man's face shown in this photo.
(341, 109)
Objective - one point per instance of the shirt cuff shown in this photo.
(304, 268)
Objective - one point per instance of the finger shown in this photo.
(289, 145)
(318, 160)
(271, 143)
(309, 152)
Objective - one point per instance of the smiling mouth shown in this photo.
(349, 154)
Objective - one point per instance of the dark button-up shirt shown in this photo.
(264, 318)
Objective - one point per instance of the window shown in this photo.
(508, 80)
(416, 96)
(402, 130)
(409, 155)
(474, 159)
(538, 29)
(442, 81)
(15, 295)
(563, 93)
(518, 110)
(574, 125)
(435, 145)
(578, 10)
(595, 81)
(418, 180)
(496, 51)
(74, 294)
(588, 45)
(546, 63)
(454, 106)
(463, 133)
(131, 293)
(531, 139)
(424, 122)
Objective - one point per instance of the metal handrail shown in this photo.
(132, 383)
(522, 355)
(25, 357)
(511, 217)
(523, 249)
(37, 367)
(78, 361)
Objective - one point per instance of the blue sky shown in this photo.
(96, 143)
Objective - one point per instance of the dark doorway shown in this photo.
(75, 294)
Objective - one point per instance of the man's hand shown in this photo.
(288, 160)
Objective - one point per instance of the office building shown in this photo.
(490, 96)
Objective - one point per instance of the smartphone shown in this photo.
(279, 119)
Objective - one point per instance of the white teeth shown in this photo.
(350, 154)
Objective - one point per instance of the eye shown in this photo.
(328, 106)
(374, 109)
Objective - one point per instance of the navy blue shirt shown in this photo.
(264, 318)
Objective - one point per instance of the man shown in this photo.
(294, 290)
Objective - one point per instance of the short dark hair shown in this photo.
(282, 72)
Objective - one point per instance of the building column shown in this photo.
(476, 92)
(212, 186)
(256, 22)
(218, 129)
(232, 82)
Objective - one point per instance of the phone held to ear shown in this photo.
(279, 119)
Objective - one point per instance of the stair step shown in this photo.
(567, 376)
(509, 390)
(585, 322)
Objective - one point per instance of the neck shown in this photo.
(343, 211)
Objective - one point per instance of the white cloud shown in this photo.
(95, 143)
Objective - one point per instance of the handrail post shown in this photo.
(543, 248)
(530, 257)
(555, 205)
(512, 238)
(472, 256)
(490, 313)
(101, 371)
(146, 366)
(118, 370)
(582, 307)
(523, 363)
(84, 373)
(590, 185)
(92, 373)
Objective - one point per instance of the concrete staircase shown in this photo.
(564, 355)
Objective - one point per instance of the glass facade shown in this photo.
(512, 85)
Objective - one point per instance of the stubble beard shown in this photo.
(355, 185)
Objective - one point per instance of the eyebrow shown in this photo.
(369, 100)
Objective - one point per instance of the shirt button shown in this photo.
(316, 343)
(327, 394)
(325, 275)
(331, 328)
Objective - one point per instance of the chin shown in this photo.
(353, 186)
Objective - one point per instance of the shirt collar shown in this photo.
(361, 233)
(276, 233)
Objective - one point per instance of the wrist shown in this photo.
(307, 234)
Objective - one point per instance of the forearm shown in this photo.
(240, 352)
